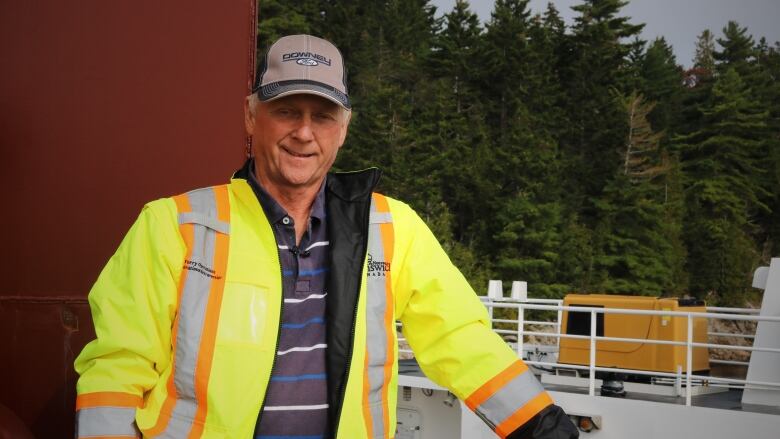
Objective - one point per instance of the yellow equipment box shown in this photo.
(634, 355)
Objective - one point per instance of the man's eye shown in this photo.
(325, 116)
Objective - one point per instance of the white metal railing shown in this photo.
(690, 377)
(717, 309)
(733, 310)
(688, 343)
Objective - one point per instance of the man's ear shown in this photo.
(348, 117)
(249, 118)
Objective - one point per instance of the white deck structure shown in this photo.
(682, 405)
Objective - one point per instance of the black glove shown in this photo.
(550, 423)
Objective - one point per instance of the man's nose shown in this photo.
(303, 131)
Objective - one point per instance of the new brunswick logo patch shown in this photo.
(377, 268)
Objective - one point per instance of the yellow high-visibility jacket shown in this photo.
(187, 316)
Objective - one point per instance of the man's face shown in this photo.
(295, 140)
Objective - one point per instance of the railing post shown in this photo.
(592, 363)
(495, 293)
(678, 381)
(560, 317)
(689, 361)
(520, 329)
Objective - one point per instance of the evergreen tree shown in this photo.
(698, 81)
(454, 51)
(723, 191)
(387, 86)
(705, 51)
(278, 19)
(750, 61)
(630, 240)
(460, 137)
(349, 25)
(462, 133)
(767, 90)
(529, 243)
(545, 99)
(736, 50)
(633, 65)
(674, 216)
(662, 83)
(504, 62)
(519, 79)
(595, 76)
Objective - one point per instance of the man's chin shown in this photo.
(300, 180)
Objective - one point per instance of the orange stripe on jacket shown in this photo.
(188, 234)
(108, 399)
(388, 243)
(524, 414)
(495, 384)
(209, 335)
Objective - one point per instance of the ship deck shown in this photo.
(728, 399)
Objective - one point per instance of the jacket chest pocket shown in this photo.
(244, 316)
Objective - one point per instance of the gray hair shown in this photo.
(253, 101)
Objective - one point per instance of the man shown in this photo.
(267, 306)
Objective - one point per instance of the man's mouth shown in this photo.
(296, 154)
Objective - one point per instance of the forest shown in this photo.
(579, 157)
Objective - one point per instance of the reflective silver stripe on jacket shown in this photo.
(377, 337)
(511, 397)
(192, 309)
(106, 421)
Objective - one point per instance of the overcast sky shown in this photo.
(679, 21)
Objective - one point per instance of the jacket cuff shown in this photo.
(550, 423)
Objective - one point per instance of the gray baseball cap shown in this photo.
(302, 64)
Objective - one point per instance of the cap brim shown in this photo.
(281, 89)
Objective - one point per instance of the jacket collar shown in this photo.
(353, 186)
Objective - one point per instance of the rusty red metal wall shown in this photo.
(103, 106)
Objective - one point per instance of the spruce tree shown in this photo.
(766, 88)
(454, 49)
(594, 79)
(662, 84)
(705, 51)
(522, 209)
(505, 62)
(545, 98)
(631, 249)
(277, 19)
(753, 62)
(721, 164)
(736, 50)
(460, 117)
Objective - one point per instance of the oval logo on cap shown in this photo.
(307, 62)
